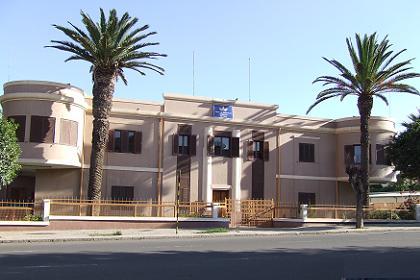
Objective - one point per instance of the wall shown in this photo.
(324, 190)
(57, 183)
(46, 99)
(140, 170)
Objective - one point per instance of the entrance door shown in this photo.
(220, 195)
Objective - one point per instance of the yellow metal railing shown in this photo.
(123, 208)
(15, 210)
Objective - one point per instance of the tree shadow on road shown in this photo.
(279, 263)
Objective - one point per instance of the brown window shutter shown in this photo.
(74, 133)
(65, 132)
(348, 155)
(49, 128)
(266, 151)
(138, 139)
(210, 145)
(174, 144)
(110, 141)
(235, 147)
(381, 157)
(249, 150)
(124, 141)
(36, 127)
(193, 145)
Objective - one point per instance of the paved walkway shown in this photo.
(137, 234)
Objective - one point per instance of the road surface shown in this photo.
(329, 256)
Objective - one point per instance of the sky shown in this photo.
(283, 40)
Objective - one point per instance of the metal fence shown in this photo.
(287, 210)
(393, 211)
(245, 212)
(16, 210)
(332, 211)
(251, 211)
(122, 208)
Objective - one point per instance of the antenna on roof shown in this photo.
(249, 79)
(8, 72)
(193, 74)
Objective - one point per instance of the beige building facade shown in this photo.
(217, 148)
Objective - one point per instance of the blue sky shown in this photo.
(285, 40)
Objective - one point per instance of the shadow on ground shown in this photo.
(279, 263)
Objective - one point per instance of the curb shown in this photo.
(209, 235)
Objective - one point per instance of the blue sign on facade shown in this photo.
(223, 111)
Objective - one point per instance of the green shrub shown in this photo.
(406, 215)
(215, 230)
(383, 215)
(396, 187)
(32, 218)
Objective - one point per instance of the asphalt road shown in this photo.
(340, 256)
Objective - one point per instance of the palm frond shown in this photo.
(321, 100)
(332, 90)
(111, 44)
(374, 72)
(383, 98)
(391, 87)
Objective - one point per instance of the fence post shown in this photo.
(47, 210)
(178, 189)
(417, 212)
(273, 209)
(304, 211)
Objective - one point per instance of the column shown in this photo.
(236, 184)
(47, 209)
(207, 168)
(237, 170)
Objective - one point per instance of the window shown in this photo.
(42, 129)
(131, 141)
(122, 193)
(124, 141)
(382, 155)
(306, 152)
(353, 154)
(357, 154)
(306, 198)
(117, 141)
(222, 144)
(184, 144)
(21, 122)
(258, 149)
(68, 132)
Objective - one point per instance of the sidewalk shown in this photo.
(139, 234)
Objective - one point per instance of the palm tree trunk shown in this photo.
(359, 209)
(103, 90)
(364, 104)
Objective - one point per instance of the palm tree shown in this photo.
(414, 120)
(109, 45)
(375, 73)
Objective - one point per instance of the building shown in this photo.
(219, 148)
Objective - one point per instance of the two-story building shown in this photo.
(219, 148)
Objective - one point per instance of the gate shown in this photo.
(254, 212)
